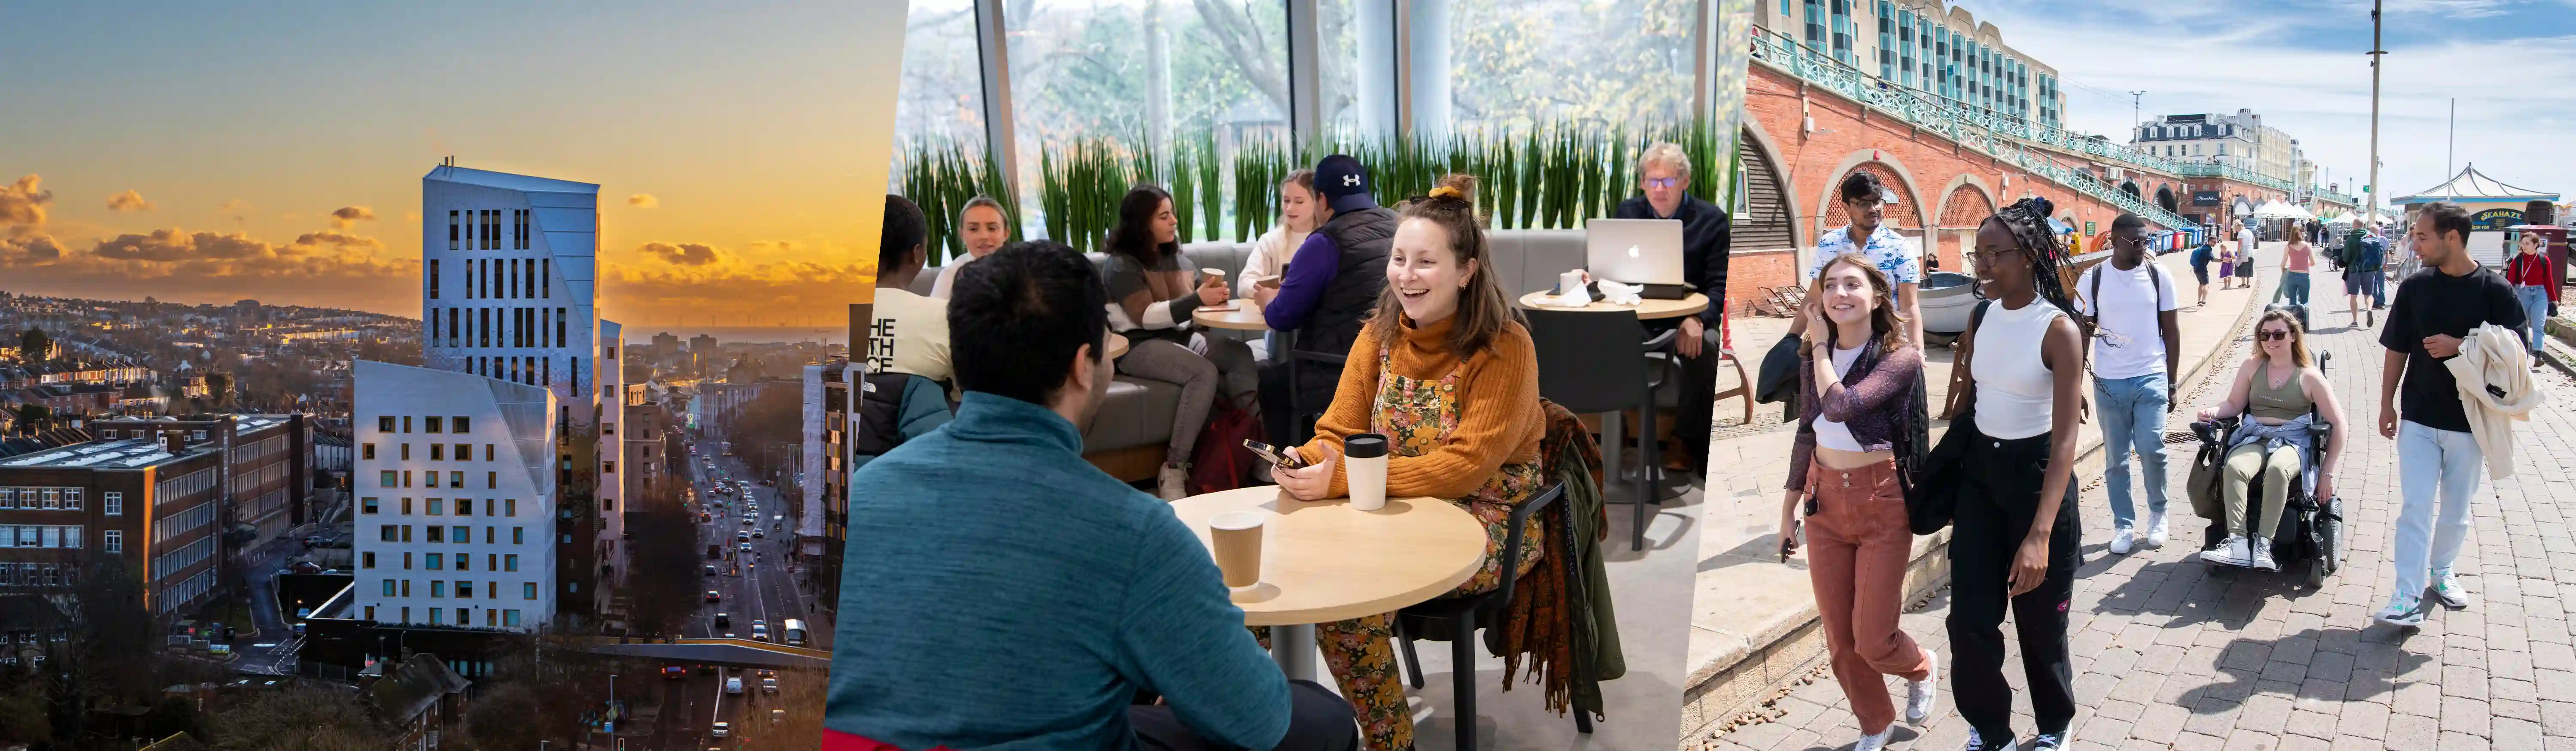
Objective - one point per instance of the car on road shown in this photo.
(675, 672)
(711, 569)
(746, 547)
(757, 534)
(741, 537)
(712, 596)
(722, 729)
(769, 685)
(746, 521)
(733, 685)
(724, 620)
(777, 717)
(760, 629)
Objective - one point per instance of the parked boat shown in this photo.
(1947, 297)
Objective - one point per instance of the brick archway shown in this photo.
(1965, 203)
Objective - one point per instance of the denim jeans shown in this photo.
(2294, 285)
(2535, 314)
(2428, 458)
(2133, 418)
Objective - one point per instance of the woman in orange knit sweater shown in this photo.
(1446, 372)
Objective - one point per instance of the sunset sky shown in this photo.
(203, 154)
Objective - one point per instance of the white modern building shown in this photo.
(2240, 140)
(455, 489)
(509, 266)
(1925, 46)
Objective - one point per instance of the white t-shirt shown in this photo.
(2245, 244)
(2129, 342)
(909, 335)
(948, 277)
(1830, 433)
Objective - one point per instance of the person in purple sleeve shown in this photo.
(1331, 285)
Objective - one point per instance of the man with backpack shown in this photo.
(2201, 257)
(2128, 307)
(2361, 277)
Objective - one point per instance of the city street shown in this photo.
(751, 587)
(2171, 653)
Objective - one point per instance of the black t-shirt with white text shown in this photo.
(2429, 303)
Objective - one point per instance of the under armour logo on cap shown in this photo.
(1351, 180)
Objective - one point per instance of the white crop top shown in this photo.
(2015, 394)
(1830, 433)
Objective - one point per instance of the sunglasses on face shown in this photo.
(2272, 336)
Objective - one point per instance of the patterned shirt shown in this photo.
(1893, 253)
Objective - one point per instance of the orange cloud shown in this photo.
(128, 201)
(686, 254)
(22, 204)
(643, 201)
(347, 215)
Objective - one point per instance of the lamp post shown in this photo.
(2376, 55)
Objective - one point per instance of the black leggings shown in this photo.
(1997, 503)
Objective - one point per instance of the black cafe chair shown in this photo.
(1598, 362)
(1458, 616)
(1302, 416)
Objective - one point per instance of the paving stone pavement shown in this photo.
(2170, 653)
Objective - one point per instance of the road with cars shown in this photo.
(750, 587)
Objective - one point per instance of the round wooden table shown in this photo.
(1238, 314)
(1324, 561)
(1117, 346)
(1648, 309)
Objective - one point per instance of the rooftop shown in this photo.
(128, 453)
(508, 181)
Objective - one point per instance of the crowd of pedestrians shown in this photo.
(2459, 340)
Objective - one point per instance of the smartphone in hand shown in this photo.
(1279, 458)
(1789, 541)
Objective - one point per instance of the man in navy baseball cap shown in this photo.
(1331, 285)
(1343, 183)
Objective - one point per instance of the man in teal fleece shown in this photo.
(1001, 593)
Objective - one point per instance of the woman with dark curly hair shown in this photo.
(2016, 539)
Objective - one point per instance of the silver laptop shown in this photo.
(1634, 251)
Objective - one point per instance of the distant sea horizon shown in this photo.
(643, 334)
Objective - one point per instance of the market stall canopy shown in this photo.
(2277, 210)
(2472, 186)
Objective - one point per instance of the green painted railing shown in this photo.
(2233, 172)
(2004, 139)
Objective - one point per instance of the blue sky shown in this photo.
(2511, 64)
(243, 127)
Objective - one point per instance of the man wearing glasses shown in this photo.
(1664, 171)
(1864, 199)
(2131, 301)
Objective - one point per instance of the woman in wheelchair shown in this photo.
(2281, 392)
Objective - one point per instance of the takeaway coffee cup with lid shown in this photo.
(1364, 463)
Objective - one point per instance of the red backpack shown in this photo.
(1221, 462)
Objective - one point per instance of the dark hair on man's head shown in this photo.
(1862, 184)
(2446, 216)
(1017, 317)
(1133, 235)
(2127, 221)
(905, 229)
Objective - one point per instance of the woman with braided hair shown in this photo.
(2017, 541)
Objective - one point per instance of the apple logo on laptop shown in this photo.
(1632, 251)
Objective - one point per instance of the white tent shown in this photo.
(2278, 210)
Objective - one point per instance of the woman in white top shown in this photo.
(984, 227)
(1270, 254)
(2016, 539)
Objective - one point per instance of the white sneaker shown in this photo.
(2157, 532)
(1173, 483)
(1977, 742)
(1875, 742)
(1919, 694)
(2123, 541)
(2447, 589)
(2403, 610)
(2262, 558)
(2234, 552)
